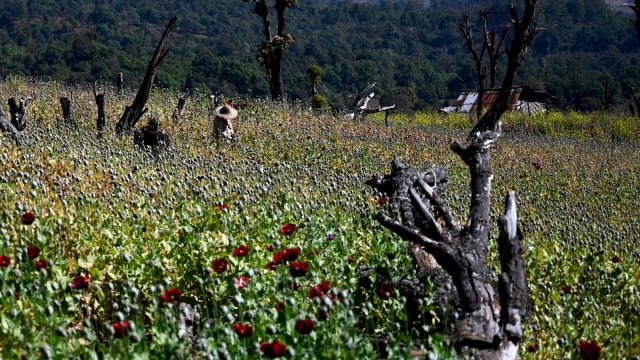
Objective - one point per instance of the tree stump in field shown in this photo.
(491, 306)
(67, 116)
(7, 127)
(18, 113)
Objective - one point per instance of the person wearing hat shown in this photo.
(222, 126)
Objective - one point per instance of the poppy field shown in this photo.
(106, 249)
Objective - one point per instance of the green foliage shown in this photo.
(136, 226)
(318, 101)
(414, 51)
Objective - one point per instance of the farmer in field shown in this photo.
(222, 126)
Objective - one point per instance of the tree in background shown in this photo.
(270, 52)
(490, 45)
(314, 72)
(318, 101)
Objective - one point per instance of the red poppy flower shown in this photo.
(382, 200)
(16, 295)
(120, 329)
(41, 264)
(220, 265)
(273, 349)
(28, 218)
(289, 254)
(5, 261)
(385, 291)
(298, 268)
(325, 285)
(241, 250)
(320, 289)
(567, 289)
(80, 282)
(536, 165)
(243, 330)
(271, 265)
(287, 229)
(222, 206)
(33, 251)
(270, 248)
(358, 323)
(305, 326)
(170, 295)
(589, 350)
(280, 306)
(242, 281)
(615, 259)
(532, 348)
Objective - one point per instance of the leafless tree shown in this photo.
(491, 45)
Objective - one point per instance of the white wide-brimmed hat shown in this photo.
(226, 112)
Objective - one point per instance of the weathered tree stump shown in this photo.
(100, 122)
(120, 83)
(7, 127)
(18, 113)
(150, 137)
(491, 306)
(179, 109)
(67, 116)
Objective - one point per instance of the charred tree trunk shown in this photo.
(134, 112)
(492, 306)
(67, 116)
(100, 122)
(18, 113)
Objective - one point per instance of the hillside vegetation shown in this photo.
(414, 51)
(100, 242)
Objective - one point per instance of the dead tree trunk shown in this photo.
(270, 53)
(100, 122)
(18, 113)
(7, 127)
(179, 109)
(491, 312)
(134, 112)
(120, 83)
(67, 116)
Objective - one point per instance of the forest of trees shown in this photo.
(412, 48)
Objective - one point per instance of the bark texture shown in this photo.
(491, 306)
(134, 112)
(7, 127)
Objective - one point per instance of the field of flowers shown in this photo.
(104, 247)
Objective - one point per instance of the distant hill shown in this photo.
(412, 48)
